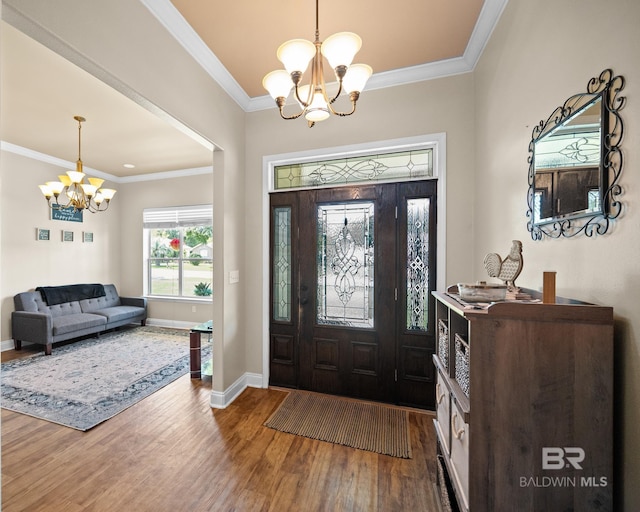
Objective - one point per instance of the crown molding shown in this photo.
(71, 166)
(180, 173)
(178, 27)
(487, 21)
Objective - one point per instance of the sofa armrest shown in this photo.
(32, 326)
(140, 302)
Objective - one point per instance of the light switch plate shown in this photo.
(234, 276)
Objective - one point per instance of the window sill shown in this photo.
(172, 298)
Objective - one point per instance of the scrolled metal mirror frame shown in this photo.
(608, 87)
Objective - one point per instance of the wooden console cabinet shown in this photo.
(524, 405)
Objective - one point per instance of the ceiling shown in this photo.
(395, 35)
(407, 40)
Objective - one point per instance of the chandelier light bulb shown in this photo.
(278, 84)
(56, 187)
(296, 55)
(89, 190)
(96, 182)
(340, 49)
(46, 191)
(107, 193)
(356, 77)
(75, 176)
(318, 110)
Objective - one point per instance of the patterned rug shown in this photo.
(376, 428)
(87, 382)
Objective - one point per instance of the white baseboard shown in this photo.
(9, 345)
(222, 399)
(176, 324)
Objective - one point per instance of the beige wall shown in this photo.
(133, 198)
(540, 54)
(28, 263)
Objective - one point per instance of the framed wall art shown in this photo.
(43, 234)
(67, 236)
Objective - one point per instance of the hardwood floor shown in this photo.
(171, 452)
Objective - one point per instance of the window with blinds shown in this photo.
(179, 251)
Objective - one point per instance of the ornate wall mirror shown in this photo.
(575, 162)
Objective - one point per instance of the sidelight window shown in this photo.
(282, 271)
(417, 264)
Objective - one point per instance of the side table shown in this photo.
(195, 345)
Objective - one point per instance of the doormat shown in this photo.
(87, 382)
(362, 425)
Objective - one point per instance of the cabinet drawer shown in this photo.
(443, 402)
(460, 452)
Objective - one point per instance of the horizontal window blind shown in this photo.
(177, 216)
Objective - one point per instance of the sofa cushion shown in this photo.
(118, 313)
(32, 301)
(64, 324)
(110, 299)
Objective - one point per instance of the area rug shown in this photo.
(87, 382)
(362, 425)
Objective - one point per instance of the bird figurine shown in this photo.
(507, 269)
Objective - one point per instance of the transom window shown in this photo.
(179, 251)
(398, 166)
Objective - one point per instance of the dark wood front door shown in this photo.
(352, 269)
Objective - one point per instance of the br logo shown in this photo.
(560, 458)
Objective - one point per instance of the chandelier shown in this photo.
(339, 50)
(72, 192)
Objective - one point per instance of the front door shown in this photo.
(351, 308)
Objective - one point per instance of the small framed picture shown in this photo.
(43, 234)
(67, 236)
(87, 236)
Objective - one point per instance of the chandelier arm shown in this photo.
(280, 102)
(305, 104)
(332, 100)
(354, 98)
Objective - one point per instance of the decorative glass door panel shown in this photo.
(352, 270)
(417, 317)
(282, 265)
(345, 264)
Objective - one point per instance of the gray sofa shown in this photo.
(42, 318)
